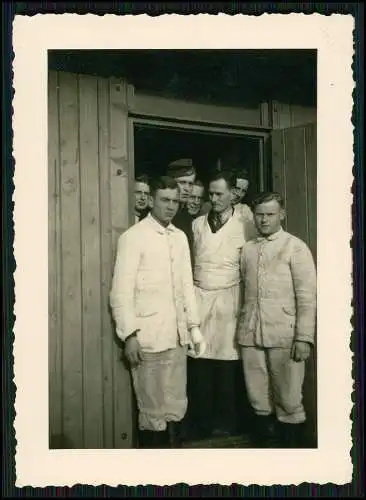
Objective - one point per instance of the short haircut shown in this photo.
(162, 182)
(199, 183)
(228, 175)
(266, 197)
(143, 178)
(242, 174)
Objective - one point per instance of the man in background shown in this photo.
(276, 326)
(142, 193)
(184, 173)
(195, 199)
(154, 307)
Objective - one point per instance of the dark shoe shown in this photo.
(291, 435)
(174, 433)
(263, 435)
(153, 439)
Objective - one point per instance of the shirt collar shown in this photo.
(158, 227)
(272, 237)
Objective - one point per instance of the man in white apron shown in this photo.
(154, 307)
(276, 327)
(213, 379)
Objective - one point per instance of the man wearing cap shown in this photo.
(154, 307)
(184, 173)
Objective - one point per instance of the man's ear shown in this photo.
(150, 201)
(282, 214)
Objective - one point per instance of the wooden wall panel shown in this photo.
(89, 179)
(106, 262)
(90, 261)
(177, 109)
(295, 180)
(285, 115)
(54, 273)
(120, 175)
(72, 374)
(294, 171)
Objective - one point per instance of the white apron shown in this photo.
(218, 285)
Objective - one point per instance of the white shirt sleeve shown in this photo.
(124, 283)
(188, 287)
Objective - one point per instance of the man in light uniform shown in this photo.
(277, 323)
(213, 380)
(142, 194)
(153, 303)
(195, 199)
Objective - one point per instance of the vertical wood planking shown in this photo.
(296, 189)
(54, 272)
(90, 262)
(119, 176)
(71, 262)
(106, 261)
(278, 165)
(311, 176)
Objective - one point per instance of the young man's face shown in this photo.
(185, 185)
(240, 191)
(268, 217)
(164, 205)
(195, 199)
(142, 192)
(220, 195)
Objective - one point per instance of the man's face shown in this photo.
(185, 185)
(220, 195)
(195, 200)
(164, 205)
(268, 217)
(240, 191)
(142, 192)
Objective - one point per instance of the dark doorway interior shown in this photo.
(155, 147)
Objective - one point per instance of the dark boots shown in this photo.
(153, 439)
(174, 433)
(291, 435)
(263, 435)
(170, 438)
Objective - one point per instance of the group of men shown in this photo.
(214, 302)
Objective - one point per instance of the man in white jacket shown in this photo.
(154, 307)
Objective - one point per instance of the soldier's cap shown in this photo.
(180, 168)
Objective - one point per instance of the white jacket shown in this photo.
(152, 287)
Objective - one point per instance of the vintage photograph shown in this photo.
(182, 247)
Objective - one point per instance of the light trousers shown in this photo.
(274, 383)
(160, 382)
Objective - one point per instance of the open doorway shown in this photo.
(155, 146)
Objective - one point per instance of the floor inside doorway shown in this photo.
(241, 441)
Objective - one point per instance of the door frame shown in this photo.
(261, 134)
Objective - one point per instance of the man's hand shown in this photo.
(198, 342)
(300, 351)
(133, 351)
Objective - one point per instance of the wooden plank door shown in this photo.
(294, 175)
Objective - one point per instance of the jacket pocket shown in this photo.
(148, 324)
(289, 310)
